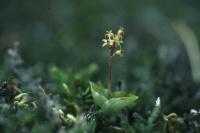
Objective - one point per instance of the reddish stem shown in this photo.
(110, 70)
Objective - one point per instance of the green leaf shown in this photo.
(119, 100)
(116, 104)
(21, 96)
(118, 94)
(57, 74)
(99, 94)
(66, 89)
(101, 90)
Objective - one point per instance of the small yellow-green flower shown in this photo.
(119, 52)
(114, 41)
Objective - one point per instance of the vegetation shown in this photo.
(70, 102)
(59, 73)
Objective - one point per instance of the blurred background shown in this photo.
(161, 40)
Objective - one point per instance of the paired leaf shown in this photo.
(99, 94)
(117, 94)
(103, 91)
(119, 100)
(116, 104)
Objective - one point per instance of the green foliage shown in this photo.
(99, 94)
(110, 105)
(58, 74)
(84, 127)
(116, 104)
(174, 124)
(34, 98)
(80, 106)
